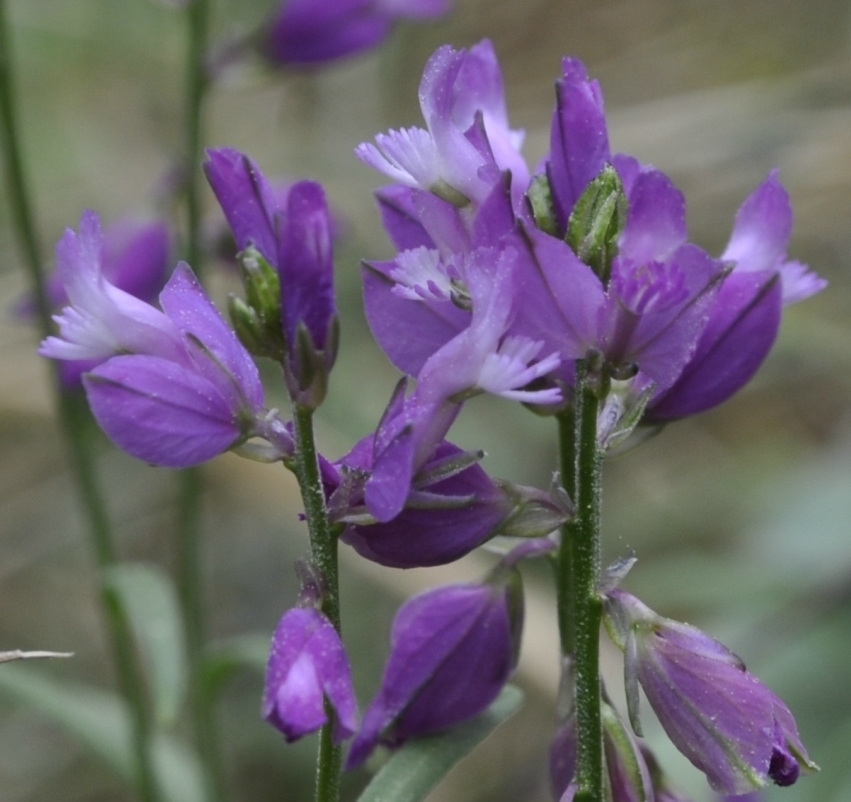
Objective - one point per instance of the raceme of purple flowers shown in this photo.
(592, 250)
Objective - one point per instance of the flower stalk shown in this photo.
(578, 573)
(323, 547)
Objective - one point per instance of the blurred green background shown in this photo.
(741, 517)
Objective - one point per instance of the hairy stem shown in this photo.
(74, 420)
(580, 607)
(323, 546)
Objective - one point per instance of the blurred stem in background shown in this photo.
(74, 420)
(190, 570)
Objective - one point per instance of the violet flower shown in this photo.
(468, 141)
(745, 316)
(452, 650)
(135, 259)
(308, 664)
(312, 32)
(479, 359)
(176, 387)
(295, 240)
(718, 715)
(452, 507)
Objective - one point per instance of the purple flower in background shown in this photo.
(308, 664)
(745, 316)
(452, 650)
(175, 387)
(311, 32)
(718, 715)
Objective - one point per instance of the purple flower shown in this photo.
(135, 259)
(745, 315)
(294, 238)
(718, 715)
(452, 650)
(309, 32)
(467, 142)
(308, 664)
(452, 507)
(175, 387)
(481, 358)
(101, 320)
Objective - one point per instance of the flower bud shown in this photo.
(308, 664)
(452, 650)
(718, 715)
(597, 221)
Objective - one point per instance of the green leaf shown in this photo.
(419, 765)
(151, 604)
(100, 721)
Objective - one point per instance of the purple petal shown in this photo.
(762, 229)
(160, 412)
(661, 338)
(306, 265)
(558, 297)
(246, 198)
(579, 140)
(441, 90)
(436, 536)
(450, 656)
(192, 311)
(409, 332)
(102, 320)
(307, 662)
(741, 330)
(400, 217)
(656, 219)
(705, 703)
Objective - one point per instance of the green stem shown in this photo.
(563, 563)
(190, 573)
(581, 552)
(196, 86)
(73, 420)
(323, 546)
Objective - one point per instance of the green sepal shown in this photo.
(596, 222)
(257, 319)
(540, 198)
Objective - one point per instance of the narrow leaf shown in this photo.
(100, 721)
(419, 765)
(151, 603)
